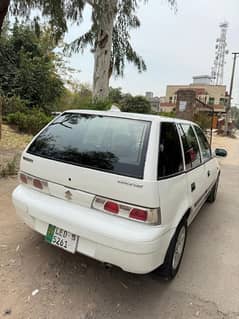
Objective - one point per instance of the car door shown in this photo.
(195, 169)
(211, 169)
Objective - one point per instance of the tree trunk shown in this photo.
(0, 117)
(4, 4)
(102, 56)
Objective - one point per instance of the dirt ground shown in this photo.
(74, 286)
(11, 145)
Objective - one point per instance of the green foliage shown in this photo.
(30, 122)
(125, 20)
(137, 104)
(28, 67)
(115, 95)
(235, 116)
(61, 12)
(12, 104)
(167, 114)
(81, 98)
(203, 120)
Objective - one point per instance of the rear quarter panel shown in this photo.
(173, 196)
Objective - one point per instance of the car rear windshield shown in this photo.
(115, 145)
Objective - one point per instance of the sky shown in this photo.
(175, 46)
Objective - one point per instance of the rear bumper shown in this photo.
(132, 246)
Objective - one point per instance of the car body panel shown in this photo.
(97, 231)
(134, 246)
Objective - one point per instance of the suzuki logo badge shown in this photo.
(68, 195)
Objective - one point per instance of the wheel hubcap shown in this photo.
(179, 247)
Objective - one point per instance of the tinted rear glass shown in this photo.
(116, 145)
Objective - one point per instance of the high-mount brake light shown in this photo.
(144, 215)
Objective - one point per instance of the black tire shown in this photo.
(213, 193)
(169, 269)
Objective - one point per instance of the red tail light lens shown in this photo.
(138, 214)
(23, 178)
(37, 184)
(33, 182)
(111, 207)
(144, 215)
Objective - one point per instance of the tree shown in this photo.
(115, 95)
(4, 4)
(137, 104)
(108, 36)
(235, 116)
(28, 66)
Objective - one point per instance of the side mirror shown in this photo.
(220, 152)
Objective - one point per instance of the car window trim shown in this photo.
(194, 131)
(182, 149)
(201, 162)
(184, 172)
(171, 176)
(182, 153)
(204, 161)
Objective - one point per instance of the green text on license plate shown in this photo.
(61, 238)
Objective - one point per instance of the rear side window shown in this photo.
(204, 145)
(111, 144)
(170, 153)
(190, 146)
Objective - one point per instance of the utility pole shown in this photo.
(228, 109)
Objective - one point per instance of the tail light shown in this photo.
(23, 178)
(34, 182)
(37, 183)
(111, 207)
(145, 215)
(139, 214)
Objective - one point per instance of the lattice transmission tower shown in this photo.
(220, 56)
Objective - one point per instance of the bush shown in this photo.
(31, 122)
(137, 104)
(167, 114)
(99, 106)
(203, 120)
(81, 99)
(12, 104)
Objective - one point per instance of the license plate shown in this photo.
(61, 238)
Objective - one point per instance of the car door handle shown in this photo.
(193, 187)
(208, 173)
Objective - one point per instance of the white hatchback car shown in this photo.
(118, 187)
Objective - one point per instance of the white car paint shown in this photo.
(133, 246)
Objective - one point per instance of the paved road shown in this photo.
(74, 286)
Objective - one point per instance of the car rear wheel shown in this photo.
(213, 193)
(175, 252)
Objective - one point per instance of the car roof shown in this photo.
(135, 116)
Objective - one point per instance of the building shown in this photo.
(167, 107)
(214, 95)
(153, 100)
